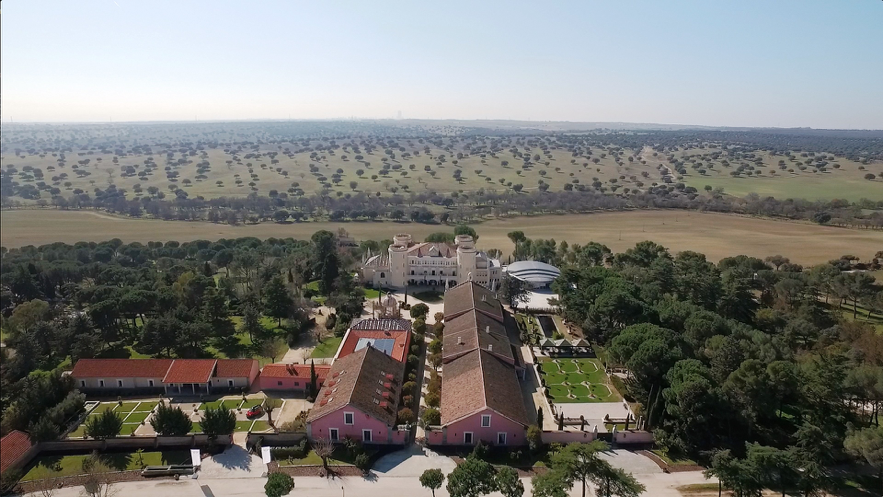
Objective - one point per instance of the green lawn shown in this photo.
(314, 460)
(126, 407)
(136, 417)
(260, 426)
(129, 428)
(105, 406)
(327, 348)
(197, 428)
(54, 466)
(79, 432)
(216, 404)
(566, 377)
(243, 425)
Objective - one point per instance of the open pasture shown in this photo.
(716, 235)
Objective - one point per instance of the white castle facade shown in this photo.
(431, 264)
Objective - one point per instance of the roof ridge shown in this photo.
(483, 382)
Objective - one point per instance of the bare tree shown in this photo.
(98, 482)
(323, 448)
(44, 488)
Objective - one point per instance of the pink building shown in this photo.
(359, 399)
(482, 401)
(290, 377)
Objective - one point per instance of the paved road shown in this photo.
(658, 485)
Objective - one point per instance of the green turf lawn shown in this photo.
(231, 403)
(313, 459)
(54, 466)
(197, 428)
(260, 426)
(673, 462)
(79, 432)
(104, 406)
(243, 425)
(252, 401)
(136, 417)
(327, 348)
(429, 296)
(129, 428)
(126, 407)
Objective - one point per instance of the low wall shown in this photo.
(400, 437)
(567, 436)
(633, 437)
(274, 439)
(130, 443)
(434, 437)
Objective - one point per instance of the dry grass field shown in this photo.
(716, 235)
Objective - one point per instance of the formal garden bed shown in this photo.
(577, 381)
(133, 414)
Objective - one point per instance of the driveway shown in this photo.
(412, 462)
(631, 461)
(235, 462)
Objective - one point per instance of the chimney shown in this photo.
(459, 340)
(483, 298)
(490, 347)
(487, 329)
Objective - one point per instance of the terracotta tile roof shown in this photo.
(235, 368)
(474, 330)
(12, 447)
(479, 381)
(470, 295)
(190, 371)
(426, 250)
(295, 371)
(356, 379)
(121, 368)
(379, 329)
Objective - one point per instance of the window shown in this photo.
(501, 438)
(278, 383)
(485, 420)
(366, 436)
(467, 438)
(296, 383)
(383, 275)
(229, 383)
(82, 383)
(101, 383)
(332, 434)
(348, 418)
(120, 383)
(150, 383)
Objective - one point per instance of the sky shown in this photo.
(780, 63)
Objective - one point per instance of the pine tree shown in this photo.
(278, 303)
(314, 379)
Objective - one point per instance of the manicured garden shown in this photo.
(56, 466)
(577, 380)
(132, 413)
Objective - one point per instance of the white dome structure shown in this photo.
(535, 273)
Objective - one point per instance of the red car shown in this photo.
(255, 412)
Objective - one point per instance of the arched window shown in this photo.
(383, 275)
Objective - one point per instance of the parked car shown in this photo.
(255, 412)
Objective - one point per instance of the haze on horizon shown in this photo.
(753, 63)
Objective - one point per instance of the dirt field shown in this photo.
(716, 235)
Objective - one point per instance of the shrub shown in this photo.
(431, 417)
(298, 451)
(363, 462)
(413, 360)
(278, 484)
(435, 346)
(106, 425)
(405, 416)
(432, 399)
(480, 451)
(435, 383)
(170, 421)
(409, 388)
(439, 317)
(419, 311)
(534, 438)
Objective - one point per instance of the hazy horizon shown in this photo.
(752, 64)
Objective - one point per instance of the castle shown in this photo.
(430, 263)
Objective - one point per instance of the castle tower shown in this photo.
(398, 260)
(465, 257)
